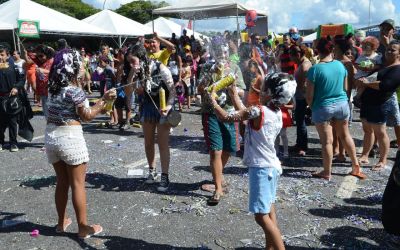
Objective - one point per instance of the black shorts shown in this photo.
(120, 103)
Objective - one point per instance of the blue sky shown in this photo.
(303, 14)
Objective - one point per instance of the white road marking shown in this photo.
(348, 186)
(143, 161)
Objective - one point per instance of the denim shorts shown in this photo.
(336, 111)
(388, 112)
(263, 183)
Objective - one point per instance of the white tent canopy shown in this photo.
(195, 9)
(5, 26)
(118, 24)
(310, 38)
(50, 21)
(164, 25)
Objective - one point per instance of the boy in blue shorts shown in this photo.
(265, 123)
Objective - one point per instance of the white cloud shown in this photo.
(303, 14)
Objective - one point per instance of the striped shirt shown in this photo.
(62, 107)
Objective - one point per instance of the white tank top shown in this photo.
(19, 65)
(259, 148)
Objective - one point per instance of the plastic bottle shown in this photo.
(163, 103)
(223, 83)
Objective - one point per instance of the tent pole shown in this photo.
(19, 43)
(152, 20)
(15, 45)
(119, 42)
(237, 25)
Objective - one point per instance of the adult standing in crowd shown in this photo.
(326, 94)
(44, 61)
(283, 57)
(343, 53)
(387, 28)
(65, 145)
(298, 55)
(154, 51)
(377, 101)
(19, 63)
(10, 84)
(152, 76)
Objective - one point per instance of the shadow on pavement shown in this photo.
(111, 242)
(361, 236)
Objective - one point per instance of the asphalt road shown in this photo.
(343, 213)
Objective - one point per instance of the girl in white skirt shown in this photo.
(65, 145)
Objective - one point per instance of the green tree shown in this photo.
(74, 8)
(140, 10)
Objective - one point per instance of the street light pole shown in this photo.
(369, 13)
(104, 4)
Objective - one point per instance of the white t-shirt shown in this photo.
(375, 58)
(259, 148)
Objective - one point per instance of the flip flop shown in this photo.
(379, 167)
(59, 231)
(210, 187)
(338, 160)
(321, 176)
(92, 234)
(215, 199)
(360, 175)
(363, 161)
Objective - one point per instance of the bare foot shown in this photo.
(363, 160)
(62, 228)
(86, 232)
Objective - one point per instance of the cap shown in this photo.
(389, 22)
(187, 46)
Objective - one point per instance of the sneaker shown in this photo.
(14, 148)
(123, 127)
(164, 183)
(1, 147)
(152, 177)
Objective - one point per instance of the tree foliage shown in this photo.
(140, 10)
(74, 8)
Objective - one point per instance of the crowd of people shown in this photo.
(272, 87)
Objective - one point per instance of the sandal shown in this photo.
(210, 187)
(379, 167)
(60, 230)
(339, 160)
(94, 232)
(320, 175)
(360, 175)
(215, 199)
(363, 161)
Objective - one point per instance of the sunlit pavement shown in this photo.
(312, 213)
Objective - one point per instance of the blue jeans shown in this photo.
(300, 113)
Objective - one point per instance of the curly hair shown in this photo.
(373, 41)
(65, 69)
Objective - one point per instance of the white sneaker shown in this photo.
(152, 177)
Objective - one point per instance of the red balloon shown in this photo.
(251, 17)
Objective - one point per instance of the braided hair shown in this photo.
(65, 69)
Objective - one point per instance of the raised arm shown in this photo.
(170, 46)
